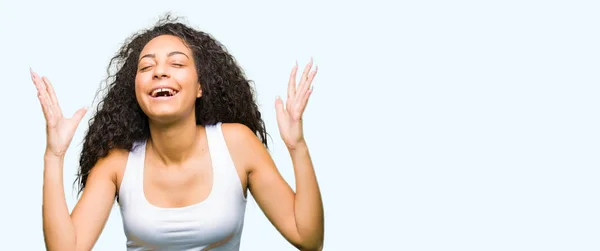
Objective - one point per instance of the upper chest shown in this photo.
(191, 181)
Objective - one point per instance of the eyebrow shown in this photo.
(170, 54)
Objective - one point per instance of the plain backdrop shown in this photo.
(434, 125)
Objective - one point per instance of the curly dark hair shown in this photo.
(119, 121)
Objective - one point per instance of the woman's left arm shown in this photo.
(308, 204)
(298, 216)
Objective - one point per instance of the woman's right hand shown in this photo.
(59, 130)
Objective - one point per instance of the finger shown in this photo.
(279, 107)
(306, 70)
(39, 83)
(79, 115)
(34, 79)
(31, 73)
(307, 83)
(292, 81)
(42, 90)
(304, 99)
(280, 111)
(45, 107)
(52, 95)
(302, 87)
(50, 89)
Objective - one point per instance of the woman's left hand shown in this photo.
(289, 115)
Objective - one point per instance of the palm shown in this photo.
(60, 133)
(289, 115)
(59, 129)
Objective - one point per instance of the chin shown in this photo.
(163, 120)
(168, 116)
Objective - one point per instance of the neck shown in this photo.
(175, 142)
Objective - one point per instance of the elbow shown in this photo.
(52, 245)
(317, 248)
(310, 245)
(308, 238)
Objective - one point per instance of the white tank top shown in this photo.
(215, 223)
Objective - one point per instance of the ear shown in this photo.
(199, 94)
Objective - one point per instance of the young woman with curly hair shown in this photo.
(178, 140)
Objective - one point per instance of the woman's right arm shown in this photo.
(79, 230)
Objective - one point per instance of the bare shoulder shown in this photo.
(114, 159)
(239, 135)
(234, 130)
(114, 156)
(245, 147)
(113, 165)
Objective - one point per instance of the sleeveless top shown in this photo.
(213, 224)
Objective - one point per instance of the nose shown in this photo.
(160, 71)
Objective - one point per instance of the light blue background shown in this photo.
(434, 125)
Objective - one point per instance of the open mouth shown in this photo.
(163, 92)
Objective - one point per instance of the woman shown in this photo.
(178, 140)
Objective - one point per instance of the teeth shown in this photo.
(155, 92)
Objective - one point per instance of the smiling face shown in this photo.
(166, 83)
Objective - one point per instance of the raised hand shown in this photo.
(59, 130)
(289, 115)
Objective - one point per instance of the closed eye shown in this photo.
(145, 67)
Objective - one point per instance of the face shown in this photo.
(166, 83)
